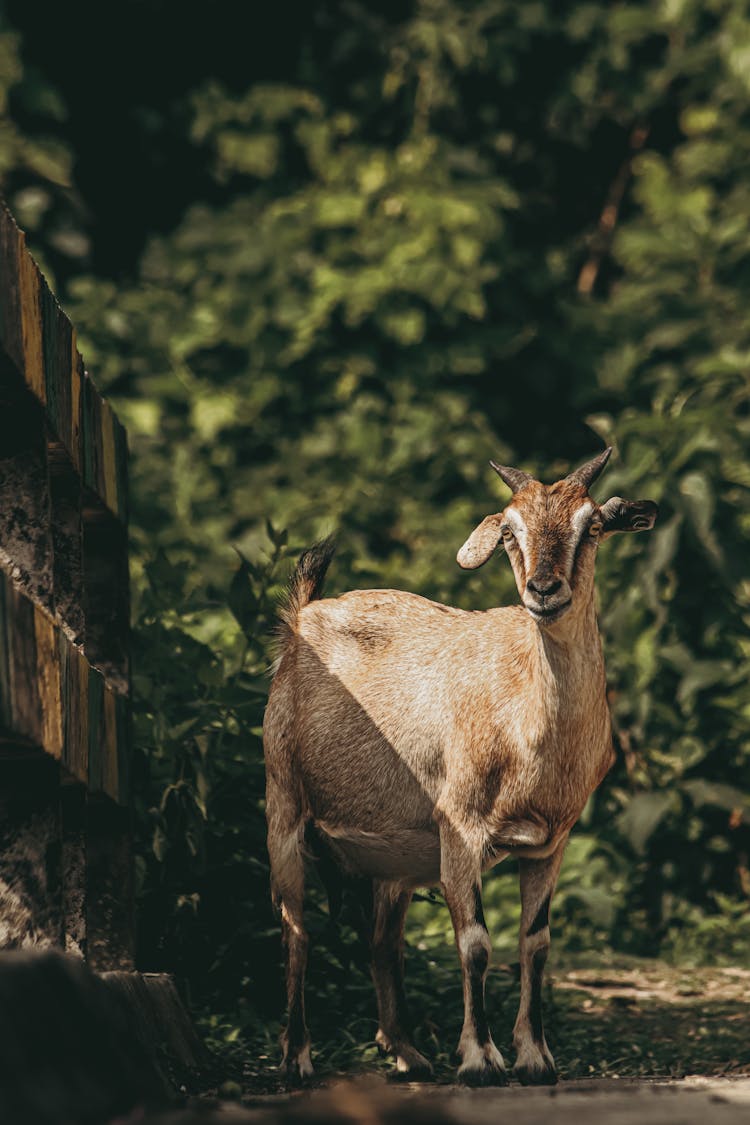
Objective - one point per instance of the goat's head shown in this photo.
(551, 533)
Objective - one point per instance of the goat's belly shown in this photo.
(407, 855)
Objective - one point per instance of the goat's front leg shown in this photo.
(460, 876)
(534, 1062)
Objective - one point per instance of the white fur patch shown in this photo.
(473, 935)
(578, 522)
(304, 1063)
(517, 525)
(530, 1056)
(475, 1056)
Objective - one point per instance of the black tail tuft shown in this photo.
(306, 584)
(312, 567)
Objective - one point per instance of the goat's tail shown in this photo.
(306, 585)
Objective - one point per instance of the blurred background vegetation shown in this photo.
(325, 270)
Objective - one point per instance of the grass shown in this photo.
(615, 1018)
(650, 1020)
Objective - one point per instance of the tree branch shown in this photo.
(602, 240)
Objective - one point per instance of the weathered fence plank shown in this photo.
(65, 874)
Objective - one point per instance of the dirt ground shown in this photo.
(637, 1043)
(650, 1019)
(624, 1019)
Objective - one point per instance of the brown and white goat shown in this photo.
(419, 744)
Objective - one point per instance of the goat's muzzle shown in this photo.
(547, 597)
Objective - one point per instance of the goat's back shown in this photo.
(382, 685)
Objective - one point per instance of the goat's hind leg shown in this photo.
(394, 1035)
(285, 849)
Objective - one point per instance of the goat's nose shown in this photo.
(544, 587)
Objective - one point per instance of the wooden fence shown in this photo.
(65, 866)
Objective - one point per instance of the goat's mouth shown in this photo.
(546, 615)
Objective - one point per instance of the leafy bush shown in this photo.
(204, 893)
(431, 234)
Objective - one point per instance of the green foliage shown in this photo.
(203, 874)
(35, 162)
(677, 638)
(377, 287)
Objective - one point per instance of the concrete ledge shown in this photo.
(77, 1047)
(718, 1101)
(158, 1021)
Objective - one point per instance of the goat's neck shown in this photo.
(574, 641)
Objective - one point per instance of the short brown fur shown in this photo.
(426, 743)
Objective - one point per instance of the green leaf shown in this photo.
(641, 817)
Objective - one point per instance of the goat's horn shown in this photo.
(588, 473)
(516, 479)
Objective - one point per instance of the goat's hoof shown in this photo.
(484, 1075)
(296, 1067)
(482, 1066)
(534, 1064)
(417, 1073)
(541, 1074)
(410, 1066)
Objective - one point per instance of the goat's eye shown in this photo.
(507, 534)
(594, 529)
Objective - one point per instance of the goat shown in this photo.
(419, 744)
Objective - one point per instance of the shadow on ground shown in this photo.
(654, 1021)
(628, 1020)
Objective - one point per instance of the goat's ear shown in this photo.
(481, 543)
(627, 515)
